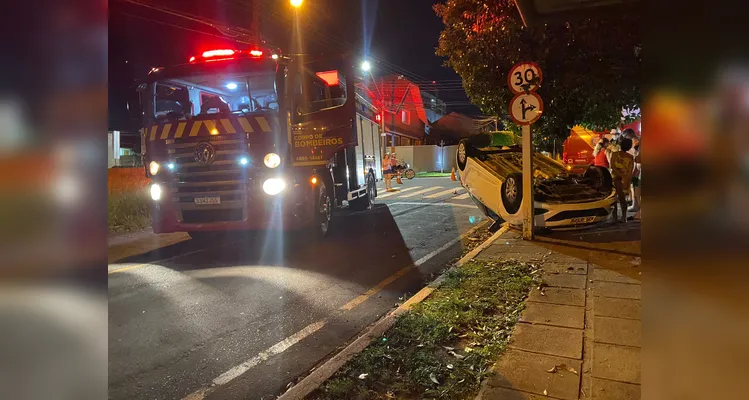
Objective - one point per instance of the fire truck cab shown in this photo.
(246, 139)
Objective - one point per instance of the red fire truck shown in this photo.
(247, 139)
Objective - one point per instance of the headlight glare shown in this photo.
(274, 186)
(155, 192)
(272, 160)
(153, 168)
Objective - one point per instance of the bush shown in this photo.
(129, 211)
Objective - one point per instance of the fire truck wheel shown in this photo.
(323, 212)
(366, 202)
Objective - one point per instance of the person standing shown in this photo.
(636, 180)
(387, 173)
(622, 165)
(394, 165)
(601, 153)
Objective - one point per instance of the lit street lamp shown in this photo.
(365, 66)
(296, 3)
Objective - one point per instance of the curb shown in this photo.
(330, 367)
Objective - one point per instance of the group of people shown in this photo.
(621, 156)
(389, 166)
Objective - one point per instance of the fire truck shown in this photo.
(248, 139)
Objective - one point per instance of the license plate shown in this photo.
(582, 220)
(208, 200)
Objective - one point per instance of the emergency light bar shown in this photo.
(228, 54)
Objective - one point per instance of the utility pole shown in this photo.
(256, 21)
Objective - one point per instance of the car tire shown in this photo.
(366, 202)
(601, 178)
(465, 150)
(512, 192)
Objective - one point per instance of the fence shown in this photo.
(427, 158)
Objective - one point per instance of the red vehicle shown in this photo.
(246, 139)
(578, 149)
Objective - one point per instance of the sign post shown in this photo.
(525, 109)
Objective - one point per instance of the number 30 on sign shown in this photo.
(524, 77)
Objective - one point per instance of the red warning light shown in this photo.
(378, 117)
(218, 53)
(256, 53)
(192, 59)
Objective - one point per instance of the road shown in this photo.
(241, 317)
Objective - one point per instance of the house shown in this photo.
(455, 126)
(408, 109)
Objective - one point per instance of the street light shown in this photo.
(365, 66)
(296, 3)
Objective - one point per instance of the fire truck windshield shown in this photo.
(218, 92)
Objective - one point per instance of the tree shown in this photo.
(591, 67)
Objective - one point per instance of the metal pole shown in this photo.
(527, 205)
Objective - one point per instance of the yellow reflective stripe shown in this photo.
(165, 132)
(180, 130)
(245, 125)
(228, 127)
(153, 132)
(211, 125)
(195, 128)
(263, 124)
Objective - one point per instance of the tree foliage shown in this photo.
(591, 67)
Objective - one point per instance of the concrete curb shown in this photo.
(330, 367)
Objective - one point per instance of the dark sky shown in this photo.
(399, 35)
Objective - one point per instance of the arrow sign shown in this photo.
(526, 108)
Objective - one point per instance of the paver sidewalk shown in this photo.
(579, 335)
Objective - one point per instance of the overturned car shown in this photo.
(491, 172)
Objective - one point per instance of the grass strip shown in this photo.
(444, 346)
(128, 211)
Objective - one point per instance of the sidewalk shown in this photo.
(579, 335)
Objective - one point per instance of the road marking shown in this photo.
(371, 292)
(429, 189)
(240, 369)
(444, 192)
(416, 203)
(125, 268)
(463, 196)
(399, 191)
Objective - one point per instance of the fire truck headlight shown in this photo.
(153, 168)
(272, 160)
(274, 186)
(155, 192)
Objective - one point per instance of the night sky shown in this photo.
(399, 36)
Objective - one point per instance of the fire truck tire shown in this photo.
(323, 212)
(367, 201)
(512, 192)
(465, 150)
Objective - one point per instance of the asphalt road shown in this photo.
(241, 317)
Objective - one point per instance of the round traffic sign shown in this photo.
(524, 77)
(526, 108)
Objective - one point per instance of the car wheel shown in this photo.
(465, 150)
(512, 192)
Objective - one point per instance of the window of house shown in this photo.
(406, 141)
(406, 117)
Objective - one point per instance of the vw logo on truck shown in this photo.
(205, 153)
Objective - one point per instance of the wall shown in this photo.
(427, 158)
(126, 180)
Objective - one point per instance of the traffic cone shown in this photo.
(452, 176)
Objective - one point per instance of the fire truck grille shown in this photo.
(214, 192)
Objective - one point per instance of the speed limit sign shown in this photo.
(524, 77)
